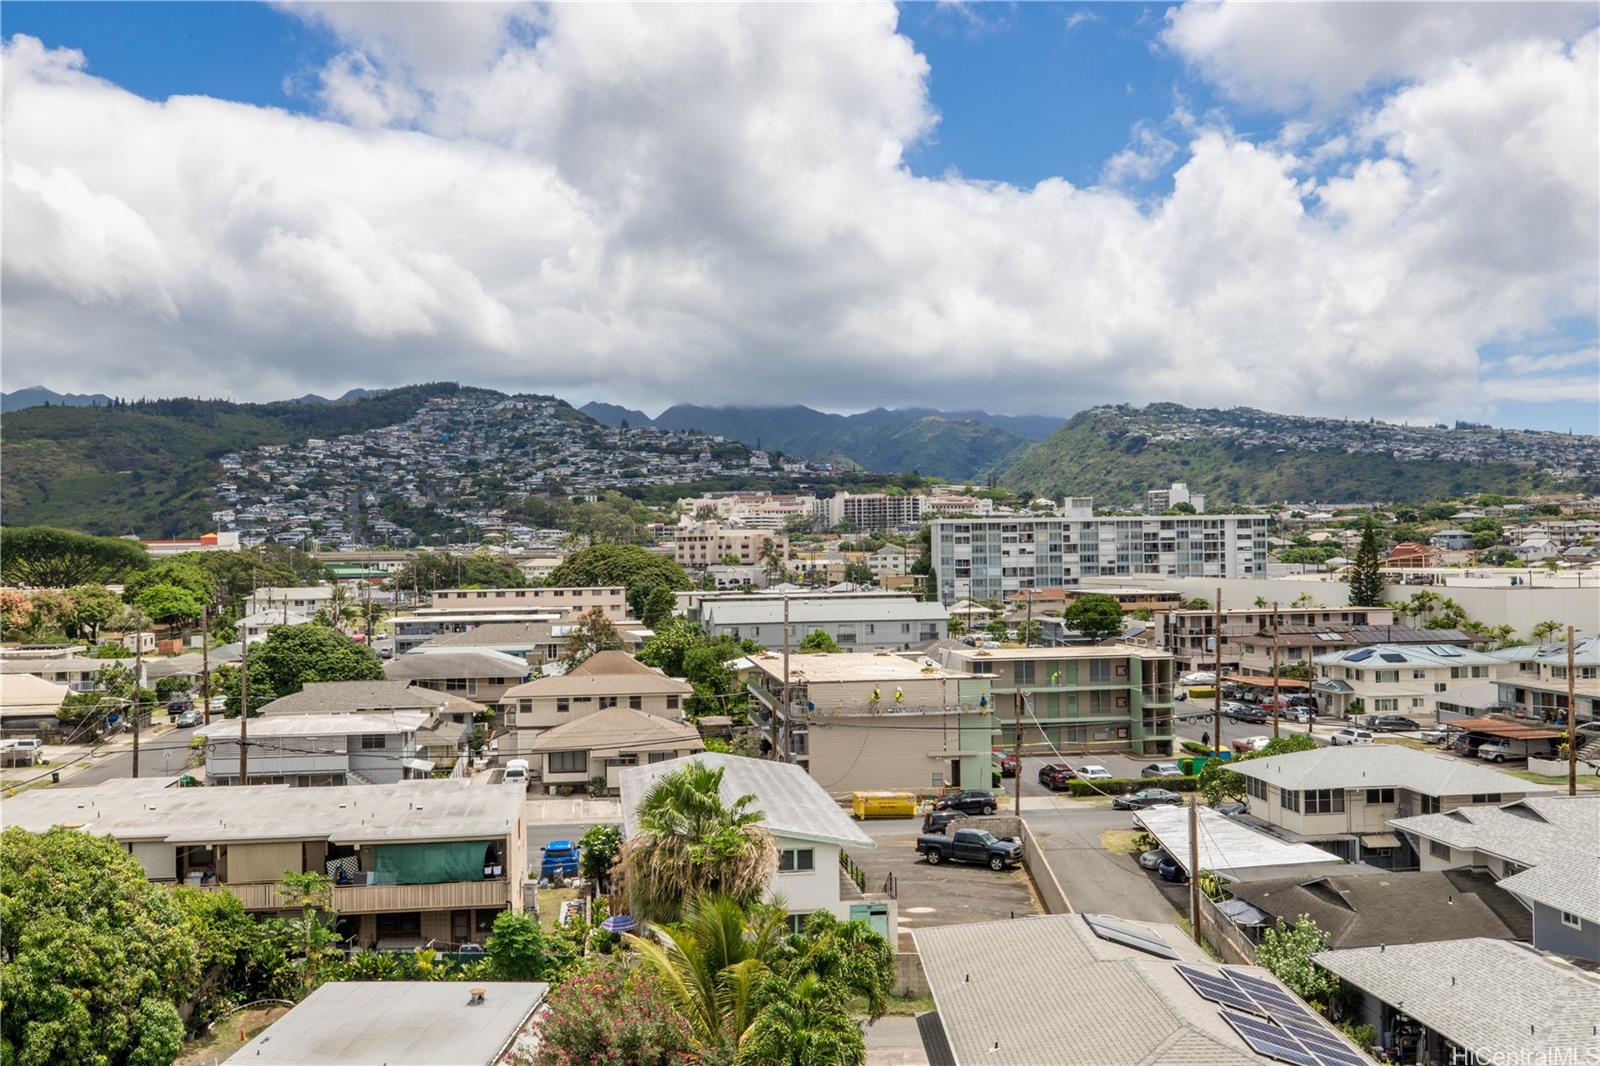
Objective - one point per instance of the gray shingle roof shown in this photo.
(1481, 994)
(792, 804)
(1568, 883)
(1384, 766)
(1529, 831)
(337, 697)
(618, 729)
(434, 665)
(1047, 990)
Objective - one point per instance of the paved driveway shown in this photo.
(1095, 880)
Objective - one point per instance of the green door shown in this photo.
(876, 915)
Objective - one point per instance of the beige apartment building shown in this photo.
(413, 863)
(876, 721)
(567, 602)
(1188, 634)
(605, 680)
(703, 546)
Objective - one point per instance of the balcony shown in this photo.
(373, 899)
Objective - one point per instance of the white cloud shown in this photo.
(710, 203)
(1147, 155)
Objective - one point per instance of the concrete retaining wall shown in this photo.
(1044, 879)
(909, 980)
(1558, 768)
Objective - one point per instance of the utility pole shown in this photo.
(1194, 868)
(1572, 716)
(1277, 708)
(244, 716)
(1016, 704)
(138, 688)
(783, 712)
(205, 663)
(1027, 632)
(1216, 714)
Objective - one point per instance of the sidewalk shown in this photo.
(86, 755)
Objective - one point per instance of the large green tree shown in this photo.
(1095, 616)
(292, 657)
(692, 842)
(817, 641)
(92, 607)
(94, 958)
(1366, 582)
(1218, 784)
(592, 633)
(618, 564)
(1287, 950)
(60, 558)
(169, 604)
(443, 570)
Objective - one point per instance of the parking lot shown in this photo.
(947, 894)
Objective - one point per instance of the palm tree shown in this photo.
(690, 843)
(803, 1025)
(1545, 631)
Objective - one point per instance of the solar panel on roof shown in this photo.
(1277, 1002)
(1267, 1039)
(1392, 657)
(1359, 656)
(1129, 936)
(1331, 1050)
(1447, 651)
(1217, 988)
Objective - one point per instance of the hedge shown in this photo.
(1116, 786)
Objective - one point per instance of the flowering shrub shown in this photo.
(612, 1014)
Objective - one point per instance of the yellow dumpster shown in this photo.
(883, 804)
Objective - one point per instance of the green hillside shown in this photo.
(147, 467)
(1097, 453)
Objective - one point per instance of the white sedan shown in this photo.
(1094, 773)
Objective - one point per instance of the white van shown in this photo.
(1351, 736)
(516, 772)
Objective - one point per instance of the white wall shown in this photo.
(814, 890)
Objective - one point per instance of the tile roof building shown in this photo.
(603, 744)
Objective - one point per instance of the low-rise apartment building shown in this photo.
(538, 643)
(412, 863)
(1300, 644)
(1397, 679)
(605, 680)
(1343, 799)
(865, 621)
(876, 721)
(807, 825)
(992, 558)
(702, 546)
(567, 601)
(308, 750)
(1534, 680)
(305, 599)
(1190, 634)
(1078, 699)
(481, 676)
(599, 746)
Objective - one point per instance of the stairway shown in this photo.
(356, 777)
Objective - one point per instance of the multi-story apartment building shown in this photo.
(992, 558)
(603, 681)
(1397, 679)
(537, 642)
(1534, 680)
(568, 602)
(1159, 500)
(876, 721)
(1190, 634)
(1081, 699)
(412, 863)
(307, 600)
(1342, 799)
(1303, 643)
(872, 511)
(863, 621)
(703, 546)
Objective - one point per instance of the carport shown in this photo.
(1517, 734)
(1227, 846)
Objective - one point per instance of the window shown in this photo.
(607, 702)
(1440, 686)
(636, 703)
(1386, 676)
(1419, 675)
(659, 756)
(797, 922)
(1430, 804)
(1389, 704)
(1571, 920)
(1325, 801)
(563, 704)
(569, 762)
(405, 923)
(672, 703)
(370, 741)
(1417, 701)
(1380, 797)
(455, 684)
(796, 860)
(1438, 850)
(1289, 799)
(1486, 797)
(1255, 788)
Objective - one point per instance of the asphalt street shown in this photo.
(162, 755)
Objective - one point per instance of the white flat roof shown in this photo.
(317, 725)
(1226, 845)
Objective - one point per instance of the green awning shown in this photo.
(429, 864)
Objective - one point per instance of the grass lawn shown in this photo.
(550, 900)
(1585, 784)
(223, 1040)
(1120, 841)
(900, 1006)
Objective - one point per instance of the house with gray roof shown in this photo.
(603, 681)
(1505, 838)
(371, 748)
(1074, 988)
(1472, 1000)
(857, 622)
(346, 697)
(474, 674)
(808, 826)
(1406, 679)
(1343, 799)
(1564, 895)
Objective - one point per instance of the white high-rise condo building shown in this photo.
(992, 558)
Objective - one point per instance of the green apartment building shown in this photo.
(1083, 700)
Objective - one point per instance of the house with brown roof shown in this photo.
(1412, 556)
(603, 744)
(605, 680)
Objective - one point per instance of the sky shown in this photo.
(1387, 210)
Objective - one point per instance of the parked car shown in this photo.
(516, 773)
(970, 845)
(1244, 744)
(179, 704)
(560, 859)
(1233, 809)
(968, 801)
(1055, 776)
(1497, 751)
(1244, 712)
(1008, 763)
(1093, 773)
(1171, 871)
(1161, 769)
(1152, 859)
(1466, 744)
(1441, 735)
(1198, 677)
(188, 719)
(1145, 798)
(940, 821)
(1393, 723)
(1348, 735)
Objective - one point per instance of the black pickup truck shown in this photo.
(970, 845)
